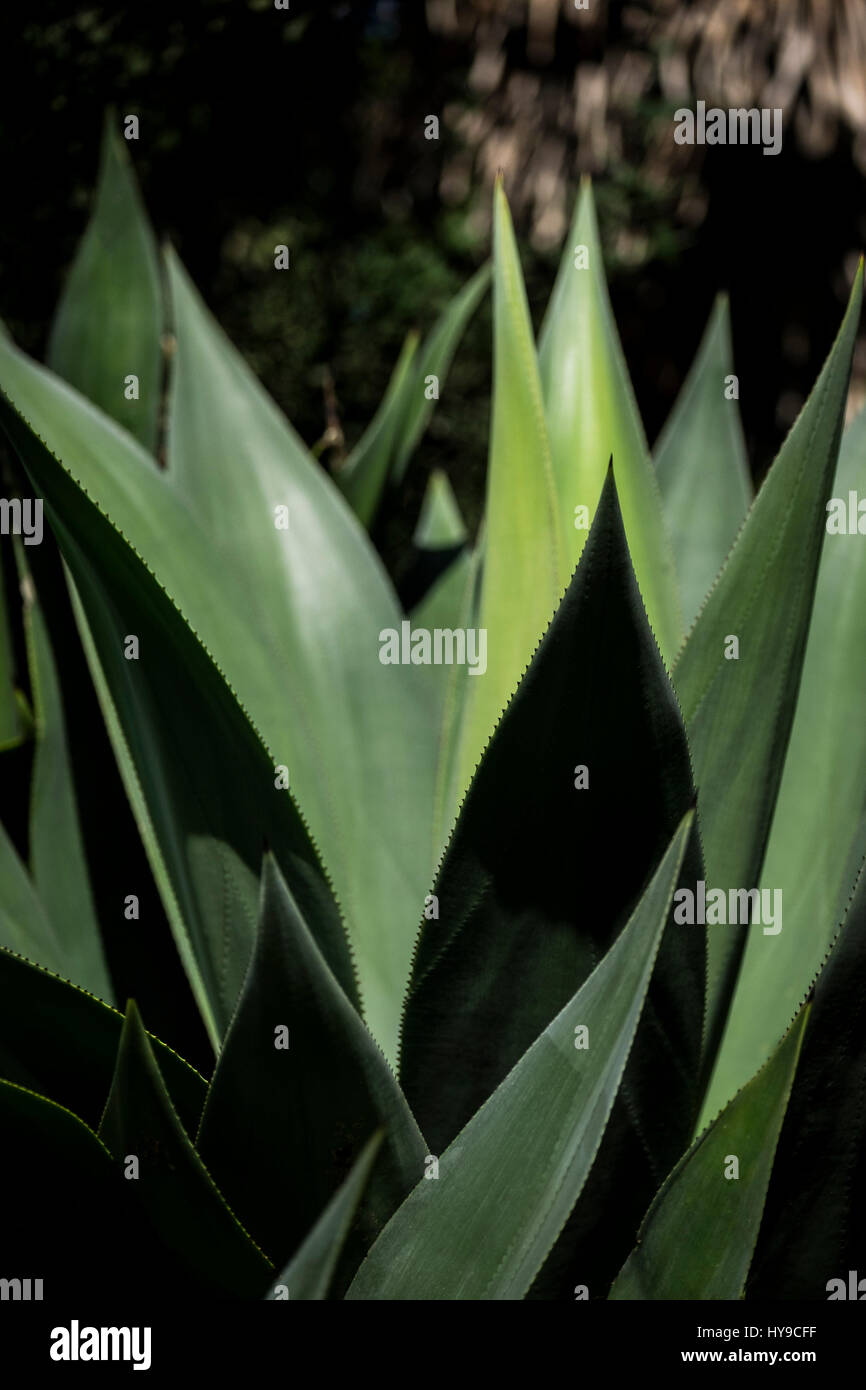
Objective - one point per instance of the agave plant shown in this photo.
(534, 970)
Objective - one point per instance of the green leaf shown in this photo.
(355, 733)
(110, 317)
(509, 1180)
(57, 857)
(525, 569)
(452, 603)
(24, 925)
(527, 903)
(699, 1234)
(309, 1273)
(62, 1199)
(434, 359)
(72, 1062)
(448, 604)
(363, 476)
(814, 1227)
(12, 730)
(444, 607)
(172, 1183)
(702, 468)
(818, 835)
(291, 1119)
(592, 416)
(739, 712)
(440, 525)
(396, 429)
(200, 781)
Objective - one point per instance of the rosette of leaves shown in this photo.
(463, 1045)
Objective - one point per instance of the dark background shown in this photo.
(261, 126)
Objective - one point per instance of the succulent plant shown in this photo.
(528, 929)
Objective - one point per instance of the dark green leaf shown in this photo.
(482, 1227)
(527, 902)
(309, 1273)
(814, 1227)
(171, 1182)
(529, 898)
(64, 1219)
(72, 1060)
(299, 1087)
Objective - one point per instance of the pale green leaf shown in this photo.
(440, 524)
(592, 417)
(525, 569)
(701, 466)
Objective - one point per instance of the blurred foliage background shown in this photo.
(306, 126)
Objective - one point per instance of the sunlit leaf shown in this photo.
(525, 569)
(592, 417)
(701, 466)
(109, 321)
(738, 673)
(205, 790)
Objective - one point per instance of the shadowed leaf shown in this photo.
(309, 1273)
(299, 1087)
(507, 1183)
(171, 1182)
